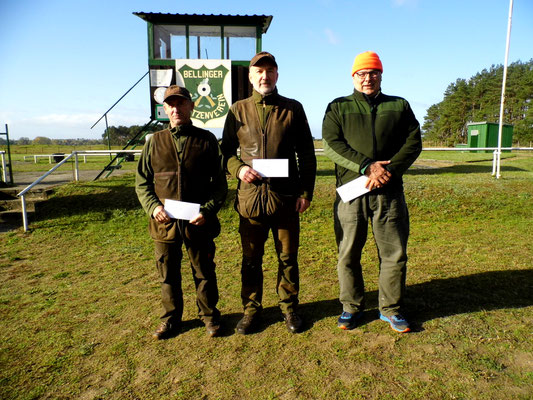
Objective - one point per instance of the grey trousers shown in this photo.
(389, 217)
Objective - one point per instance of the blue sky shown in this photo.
(64, 63)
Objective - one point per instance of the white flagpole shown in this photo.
(498, 153)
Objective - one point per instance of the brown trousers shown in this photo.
(285, 229)
(168, 256)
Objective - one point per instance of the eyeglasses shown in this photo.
(370, 74)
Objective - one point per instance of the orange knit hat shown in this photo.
(366, 60)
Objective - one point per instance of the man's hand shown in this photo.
(160, 215)
(378, 176)
(198, 220)
(302, 204)
(248, 174)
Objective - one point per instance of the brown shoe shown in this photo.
(212, 328)
(166, 330)
(246, 324)
(293, 322)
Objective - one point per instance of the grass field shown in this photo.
(79, 299)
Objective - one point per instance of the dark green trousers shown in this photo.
(285, 229)
(168, 262)
(389, 217)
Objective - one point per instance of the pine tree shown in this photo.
(478, 99)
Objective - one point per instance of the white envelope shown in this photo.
(181, 209)
(272, 167)
(353, 189)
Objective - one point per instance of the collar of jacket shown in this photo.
(270, 98)
(363, 97)
(181, 130)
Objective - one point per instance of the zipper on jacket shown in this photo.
(263, 124)
(373, 112)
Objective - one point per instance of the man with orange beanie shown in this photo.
(372, 134)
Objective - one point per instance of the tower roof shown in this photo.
(262, 21)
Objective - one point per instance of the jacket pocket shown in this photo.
(248, 201)
(163, 232)
(201, 233)
(280, 203)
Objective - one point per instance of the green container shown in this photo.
(485, 134)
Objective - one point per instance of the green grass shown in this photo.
(79, 298)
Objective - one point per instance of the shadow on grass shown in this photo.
(471, 293)
(113, 198)
(424, 301)
(325, 172)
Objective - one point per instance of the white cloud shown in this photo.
(331, 37)
(64, 119)
(402, 3)
(65, 126)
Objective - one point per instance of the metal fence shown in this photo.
(76, 154)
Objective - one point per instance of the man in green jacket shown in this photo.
(269, 128)
(372, 134)
(183, 164)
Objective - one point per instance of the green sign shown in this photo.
(209, 82)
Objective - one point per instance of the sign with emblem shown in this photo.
(209, 82)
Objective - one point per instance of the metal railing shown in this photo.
(4, 166)
(29, 187)
(496, 153)
(96, 153)
(75, 155)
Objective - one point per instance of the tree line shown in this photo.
(118, 136)
(478, 99)
(121, 135)
(42, 140)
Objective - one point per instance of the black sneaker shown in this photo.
(293, 322)
(246, 324)
(348, 321)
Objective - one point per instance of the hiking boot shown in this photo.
(293, 322)
(348, 321)
(246, 324)
(212, 328)
(397, 322)
(166, 330)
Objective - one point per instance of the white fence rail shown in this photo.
(4, 166)
(77, 154)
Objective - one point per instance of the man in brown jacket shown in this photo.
(183, 163)
(268, 127)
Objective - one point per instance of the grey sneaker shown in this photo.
(397, 322)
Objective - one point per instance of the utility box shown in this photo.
(485, 134)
